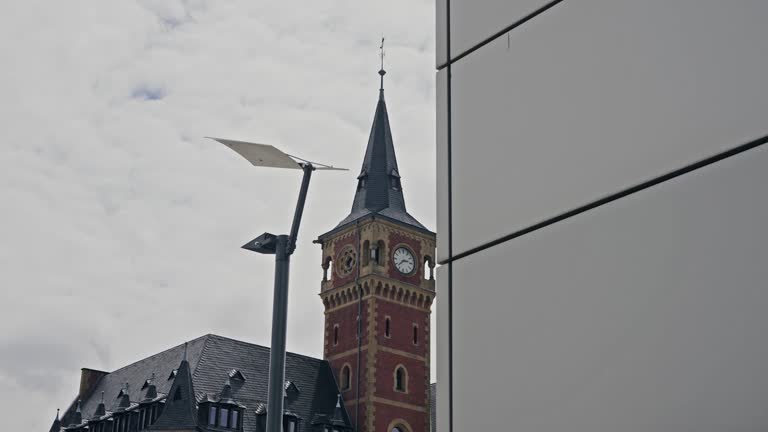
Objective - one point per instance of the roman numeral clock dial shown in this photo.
(404, 261)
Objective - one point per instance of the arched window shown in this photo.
(401, 379)
(429, 268)
(387, 327)
(366, 252)
(346, 379)
(380, 255)
(327, 264)
(336, 334)
(415, 334)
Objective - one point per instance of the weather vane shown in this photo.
(382, 71)
(381, 47)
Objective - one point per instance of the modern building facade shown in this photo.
(601, 199)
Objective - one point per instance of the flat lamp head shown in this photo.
(265, 155)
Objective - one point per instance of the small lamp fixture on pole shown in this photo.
(282, 246)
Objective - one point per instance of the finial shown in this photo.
(185, 351)
(382, 71)
(338, 400)
(102, 397)
(57, 414)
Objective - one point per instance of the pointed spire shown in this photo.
(180, 410)
(56, 425)
(338, 415)
(379, 188)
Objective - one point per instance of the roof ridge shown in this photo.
(159, 353)
(263, 347)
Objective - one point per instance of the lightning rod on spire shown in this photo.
(382, 71)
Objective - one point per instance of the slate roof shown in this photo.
(376, 193)
(180, 410)
(210, 359)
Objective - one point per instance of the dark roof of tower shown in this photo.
(379, 190)
(210, 360)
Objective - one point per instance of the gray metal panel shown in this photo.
(644, 315)
(473, 21)
(442, 344)
(442, 164)
(598, 95)
(441, 34)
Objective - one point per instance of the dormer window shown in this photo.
(394, 180)
(236, 375)
(212, 415)
(172, 374)
(224, 416)
(362, 180)
(290, 425)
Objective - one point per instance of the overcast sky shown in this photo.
(121, 225)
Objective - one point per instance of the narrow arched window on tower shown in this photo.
(401, 379)
(346, 377)
(415, 334)
(380, 260)
(336, 334)
(386, 327)
(366, 252)
(327, 265)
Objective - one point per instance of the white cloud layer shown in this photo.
(121, 225)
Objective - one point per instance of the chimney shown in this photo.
(88, 380)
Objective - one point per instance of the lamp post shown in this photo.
(282, 246)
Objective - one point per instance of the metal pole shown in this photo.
(285, 247)
(307, 168)
(279, 325)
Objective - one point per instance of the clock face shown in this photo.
(346, 260)
(404, 261)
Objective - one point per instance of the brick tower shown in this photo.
(378, 288)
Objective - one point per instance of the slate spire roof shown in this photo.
(180, 410)
(379, 189)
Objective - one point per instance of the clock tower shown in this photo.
(377, 289)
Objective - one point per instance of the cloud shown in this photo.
(121, 225)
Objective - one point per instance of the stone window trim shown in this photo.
(345, 377)
(387, 326)
(400, 383)
(335, 334)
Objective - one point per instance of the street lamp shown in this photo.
(282, 246)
